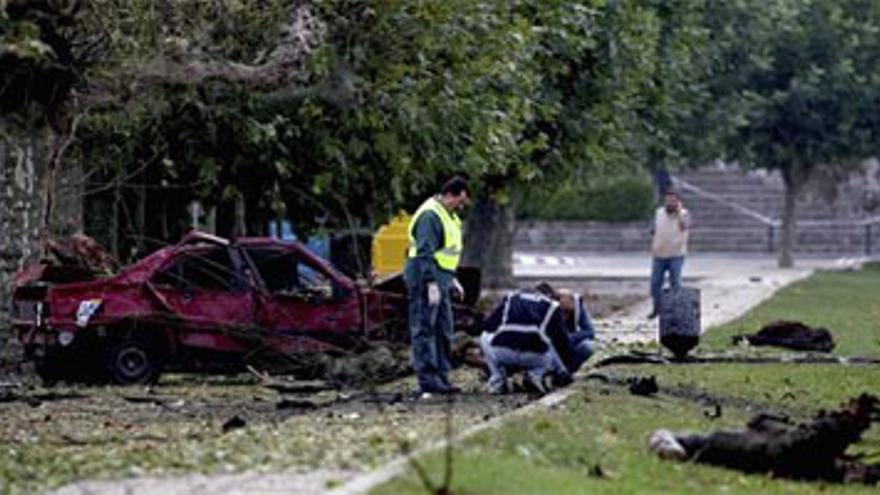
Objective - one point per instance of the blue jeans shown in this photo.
(660, 267)
(581, 346)
(431, 330)
(502, 361)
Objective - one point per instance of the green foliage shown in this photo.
(793, 80)
(512, 93)
(403, 94)
(623, 200)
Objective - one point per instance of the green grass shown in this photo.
(798, 388)
(847, 303)
(605, 429)
(561, 450)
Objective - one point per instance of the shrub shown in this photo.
(623, 200)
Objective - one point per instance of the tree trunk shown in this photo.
(793, 184)
(488, 241)
(58, 142)
(22, 163)
(240, 229)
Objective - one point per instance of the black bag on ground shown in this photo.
(791, 335)
(680, 320)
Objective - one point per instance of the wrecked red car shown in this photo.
(204, 304)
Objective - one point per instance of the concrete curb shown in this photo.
(365, 483)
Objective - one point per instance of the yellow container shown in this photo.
(390, 245)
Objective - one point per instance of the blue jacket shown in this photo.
(582, 318)
(529, 322)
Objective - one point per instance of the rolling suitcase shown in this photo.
(680, 320)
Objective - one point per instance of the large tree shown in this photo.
(62, 60)
(513, 93)
(797, 83)
(400, 94)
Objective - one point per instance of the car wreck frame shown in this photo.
(205, 304)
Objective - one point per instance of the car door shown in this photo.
(204, 289)
(303, 298)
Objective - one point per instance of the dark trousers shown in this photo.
(431, 330)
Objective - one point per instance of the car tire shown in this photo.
(50, 372)
(133, 362)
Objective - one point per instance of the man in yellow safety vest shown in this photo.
(435, 246)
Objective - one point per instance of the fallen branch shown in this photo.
(290, 387)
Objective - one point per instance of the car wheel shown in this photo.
(133, 362)
(50, 372)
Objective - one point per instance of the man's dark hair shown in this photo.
(546, 289)
(455, 186)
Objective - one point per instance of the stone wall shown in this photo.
(839, 201)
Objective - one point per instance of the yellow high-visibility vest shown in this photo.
(449, 255)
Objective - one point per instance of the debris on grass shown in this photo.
(296, 403)
(643, 385)
(790, 335)
(234, 423)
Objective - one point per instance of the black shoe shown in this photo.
(530, 386)
(449, 390)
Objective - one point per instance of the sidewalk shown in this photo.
(730, 284)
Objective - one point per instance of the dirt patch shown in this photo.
(192, 424)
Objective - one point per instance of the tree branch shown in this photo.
(285, 64)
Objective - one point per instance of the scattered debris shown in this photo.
(633, 357)
(714, 413)
(290, 386)
(813, 450)
(146, 399)
(386, 399)
(643, 385)
(596, 471)
(296, 403)
(234, 423)
(791, 335)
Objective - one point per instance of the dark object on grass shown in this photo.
(715, 412)
(791, 335)
(643, 385)
(680, 320)
(234, 423)
(813, 450)
(385, 399)
(296, 403)
(633, 357)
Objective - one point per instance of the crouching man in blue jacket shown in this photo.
(532, 332)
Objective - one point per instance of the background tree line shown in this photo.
(339, 113)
